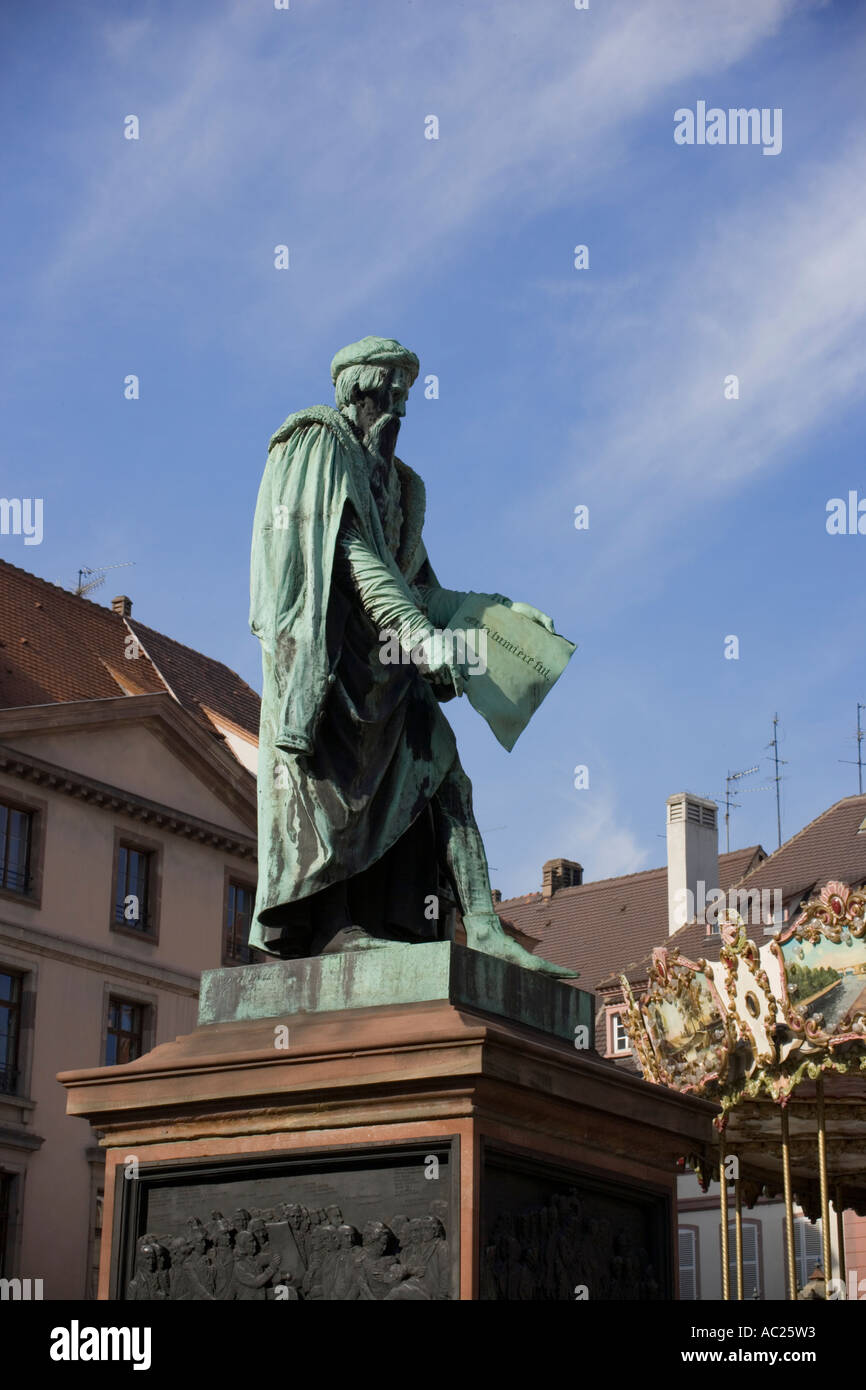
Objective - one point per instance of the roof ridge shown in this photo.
(125, 619)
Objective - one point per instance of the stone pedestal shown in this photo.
(452, 1142)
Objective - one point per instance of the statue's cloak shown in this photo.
(373, 741)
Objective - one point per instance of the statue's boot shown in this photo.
(351, 938)
(484, 932)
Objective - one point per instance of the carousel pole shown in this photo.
(738, 1235)
(822, 1173)
(789, 1206)
(840, 1236)
(723, 1207)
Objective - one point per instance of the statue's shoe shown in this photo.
(484, 932)
(350, 939)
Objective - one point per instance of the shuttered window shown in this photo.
(687, 1239)
(808, 1249)
(751, 1260)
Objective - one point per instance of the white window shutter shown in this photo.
(688, 1264)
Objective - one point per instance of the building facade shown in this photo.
(127, 865)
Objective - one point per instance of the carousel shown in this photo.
(776, 1036)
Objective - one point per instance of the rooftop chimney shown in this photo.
(560, 873)
(122, 605)
(693, 856)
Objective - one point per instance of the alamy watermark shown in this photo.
(756, 906)
(846, 517)
(20, 1290)
(464, 649)
(736, 126)
(22, 516)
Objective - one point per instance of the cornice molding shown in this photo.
(191, 738)
(29, 768)
(83, 955)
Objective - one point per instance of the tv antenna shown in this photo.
(86, 585)
(730, 803)
(777, 778)
(859, 760)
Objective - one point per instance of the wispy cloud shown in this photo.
(775, 295)
(596, 832)
(533, 102)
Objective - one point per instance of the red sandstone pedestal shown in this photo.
(498, 1160)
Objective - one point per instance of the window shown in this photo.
(10, 1030)
(239, 915)
(687, 1244)
(808, 1249)
(125, 1037)
(16, 833)
(132, 889)
(618, 1040)
(751, 1259)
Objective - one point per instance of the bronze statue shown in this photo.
(364, 807)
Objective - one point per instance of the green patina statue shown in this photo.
(365, 813)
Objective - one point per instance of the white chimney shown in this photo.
(693, 857)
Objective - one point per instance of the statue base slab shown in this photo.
(432, 1147)
(396, 974)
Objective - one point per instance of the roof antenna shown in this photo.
(730, 802)
(861, 734)
(777, 762)
(86, 585)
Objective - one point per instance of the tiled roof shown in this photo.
(600, 927)
(56, 647)
(199, 681)
(829, 847)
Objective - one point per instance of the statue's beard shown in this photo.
(380, 441)
(381, 438)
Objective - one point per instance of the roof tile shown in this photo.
(56, 647)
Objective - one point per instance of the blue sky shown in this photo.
(602, 386)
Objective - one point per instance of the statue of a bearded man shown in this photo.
(364, 809)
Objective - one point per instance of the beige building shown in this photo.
(127, 866)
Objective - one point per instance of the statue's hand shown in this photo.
(535, 614)
(526, 610)
(447, 675)
(434, 667)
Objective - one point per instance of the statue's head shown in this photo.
(376, 1237)
(146, 1257)
(259, 1231)
(348, 1236)
(372, 379)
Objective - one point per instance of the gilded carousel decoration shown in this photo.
(776, 1036)
(760, 1019)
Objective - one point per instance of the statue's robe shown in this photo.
(373, 741)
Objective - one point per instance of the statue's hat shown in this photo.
(375, 352)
